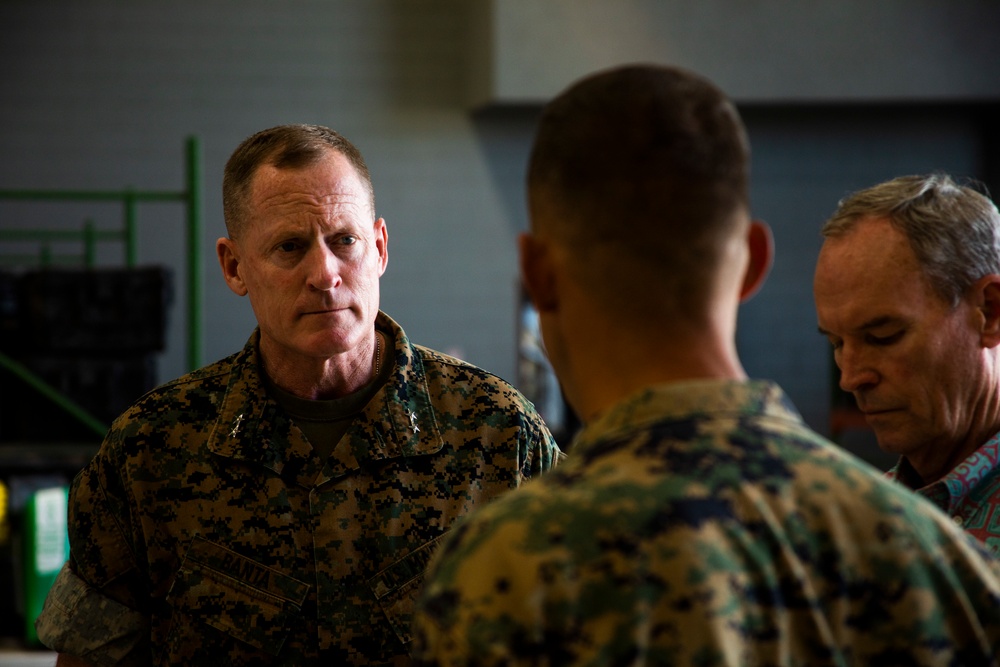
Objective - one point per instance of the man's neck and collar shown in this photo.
(937, 461)
(317, 379)
(917, 472)
(617, 363)
(952, 470)
(607, 353)
(402, 410)
(619, 376)
(686, 399)
(964, 481)
(340, 406)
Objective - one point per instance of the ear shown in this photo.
(229, 260)
(986, 291)
(537, 272)
(760, 245)
(382, 244)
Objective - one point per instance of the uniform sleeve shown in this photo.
(540, 451)
(79, 621)
(95, 608)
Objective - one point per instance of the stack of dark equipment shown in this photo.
(90, 334)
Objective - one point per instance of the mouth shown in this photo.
(870, 413)
(322, 311)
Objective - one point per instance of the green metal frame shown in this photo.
(89, 237)
(64, 402)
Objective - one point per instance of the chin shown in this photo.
(894, 443)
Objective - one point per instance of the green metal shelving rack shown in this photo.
(130, 199)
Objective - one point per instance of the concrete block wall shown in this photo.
(103, 94)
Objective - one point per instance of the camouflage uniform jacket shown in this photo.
(702, 523)
(206, 531)
(970, 493)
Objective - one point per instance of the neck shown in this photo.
(610, 367)
(933, 465)
(934, 460)
(324, 378)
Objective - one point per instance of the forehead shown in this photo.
(332, 183)
(871, 272)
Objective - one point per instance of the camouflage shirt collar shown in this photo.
(398, 421)
(401, 412)
(684, 400)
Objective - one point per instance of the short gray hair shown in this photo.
(285, 147)
(954, 230)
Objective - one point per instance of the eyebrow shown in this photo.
(873, 323)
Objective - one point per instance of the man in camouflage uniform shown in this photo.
(698, 520)
(280, 506)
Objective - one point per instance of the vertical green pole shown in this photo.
(194, 252)
(131, 242)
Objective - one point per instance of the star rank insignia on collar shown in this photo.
(236, 426)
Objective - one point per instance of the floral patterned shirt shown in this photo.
(969, 494)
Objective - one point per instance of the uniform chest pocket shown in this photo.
(237, 596)
(397, 587)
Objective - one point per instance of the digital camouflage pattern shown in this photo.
(207, 514)
(703, 524)
(115, 634)
(969, 494)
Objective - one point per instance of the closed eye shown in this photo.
(882, 341)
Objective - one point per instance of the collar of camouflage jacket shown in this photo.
(712, 398)
(399, 421)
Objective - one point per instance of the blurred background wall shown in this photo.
(442, 95)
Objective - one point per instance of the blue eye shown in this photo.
(348, 240)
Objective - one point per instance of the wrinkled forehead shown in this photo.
(870, 273)
(331, 181)
(872, 249)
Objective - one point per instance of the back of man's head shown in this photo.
(642, 173)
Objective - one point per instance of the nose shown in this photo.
(323, 268)
(856, 369)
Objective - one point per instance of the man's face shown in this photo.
(310, 259)
(913, 362)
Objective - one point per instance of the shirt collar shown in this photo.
(961, 484)
(398, 421)
(684, 400)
